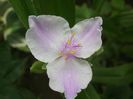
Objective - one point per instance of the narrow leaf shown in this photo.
(64, 8)
(23, 8)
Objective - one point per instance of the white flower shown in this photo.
(51, 40)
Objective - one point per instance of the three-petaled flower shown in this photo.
(51, 40)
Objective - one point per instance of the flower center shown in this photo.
(70, 48)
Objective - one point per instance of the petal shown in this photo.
(88, 33)
(69, 76)
(45, 35)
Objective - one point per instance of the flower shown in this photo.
(51, 40)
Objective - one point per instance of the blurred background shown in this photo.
(22, 76)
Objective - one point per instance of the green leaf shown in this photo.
(118, 75)
(102, 7)
(105, 8)
(88, 93)
(64, 8)
(23, 8)
(119, 4)
(14, 33)
(117, 92)
(128, 50)
(83, 12)
(97, 4)
(5, 6)
(11, 69)
(15, 37)
(12, 92)
(38, 67)
(125, 19)
(5, 54)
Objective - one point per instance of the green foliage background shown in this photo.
(23, 77)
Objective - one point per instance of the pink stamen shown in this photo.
(70, 48)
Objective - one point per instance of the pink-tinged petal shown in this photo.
(69, 76)
(45, 36)
(88, 33)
